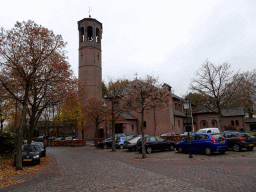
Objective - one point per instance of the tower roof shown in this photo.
(89, 19)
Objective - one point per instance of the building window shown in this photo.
(97, 35)
(81, 34)
(204, 123)
(144, 124)
(89, 34)
(237, 122)
(178, 123)
(232, 122)
(132, 128)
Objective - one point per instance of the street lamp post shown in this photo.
(186, 107)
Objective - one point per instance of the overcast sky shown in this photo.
(167, 39)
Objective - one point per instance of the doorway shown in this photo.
(119, 128)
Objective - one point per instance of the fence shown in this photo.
(65, 143)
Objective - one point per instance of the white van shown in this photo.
(209, 130)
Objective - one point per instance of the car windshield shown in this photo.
(218, 137)
(201, 131)
(30, 148)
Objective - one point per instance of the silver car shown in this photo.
(132, 144)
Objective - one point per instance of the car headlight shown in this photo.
(36, 156)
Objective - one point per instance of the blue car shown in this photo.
(204, 142)
(120, 141)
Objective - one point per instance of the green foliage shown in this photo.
(7, 142)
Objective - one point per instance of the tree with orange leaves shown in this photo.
(33, 70)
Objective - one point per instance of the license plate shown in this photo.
(138, 147)
(221, 141)
(27, 159)
(250, 144)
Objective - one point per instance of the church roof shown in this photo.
(128, 116)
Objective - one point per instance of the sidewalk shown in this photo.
(90, 143)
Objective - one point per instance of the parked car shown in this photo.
(186, 133)
(168, 134)
(105, 143)
(59, 138)
(42, 148)
(120, 141)
(153, 143)
(237, 140)
(132, 144)
(68, 138)
(209, 130)
(51, 138)
(30, 154)
(118, 135)
(204, 142)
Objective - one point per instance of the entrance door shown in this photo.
(119, 128)
(253, 127)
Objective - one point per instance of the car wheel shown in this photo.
(149, 150)
(180, 149)
(105, 146)
(250, 148)
(172, 147)
(208, 151)
(121, 146)
(222, 151)
(236, 148)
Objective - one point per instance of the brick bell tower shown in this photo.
(90, 70)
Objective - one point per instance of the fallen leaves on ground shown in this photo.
(8, 170)
(138, 158)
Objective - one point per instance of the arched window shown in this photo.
(214, 123)
(97, 35)
(178, 123)
(237, 122)
(81, 31)
(89, 34)
(232, 122)
(203, 124)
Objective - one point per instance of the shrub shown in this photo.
(7, 142)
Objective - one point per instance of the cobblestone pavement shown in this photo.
(91, 169)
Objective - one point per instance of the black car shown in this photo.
(237, 140)
(42, 147)
(106, 143)
(155, 143)
(30, 154)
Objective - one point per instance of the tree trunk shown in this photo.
(154, 121)
(113, 127)
(142, 134)
(20, 136)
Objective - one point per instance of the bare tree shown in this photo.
(245, 95)
(140, 96)
(113, 93)
(95, 112)
(216, 84)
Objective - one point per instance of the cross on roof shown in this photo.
(136, 74)
(90, 11)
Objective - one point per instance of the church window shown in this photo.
(81, 34)
(89, 33)
(97, 35)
